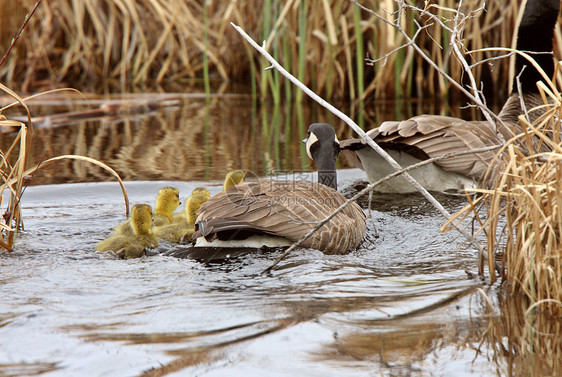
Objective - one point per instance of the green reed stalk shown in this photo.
(359, 52)
(302, 127)
(398, 65)
(302, 46)
(287, 57)
(289, 141)
(276, 131)
(266, 29)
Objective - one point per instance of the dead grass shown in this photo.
(15, 175)
(522, 216)
(324, 42)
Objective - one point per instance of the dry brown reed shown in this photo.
(80, 43)
(523, 211)
(15, 175)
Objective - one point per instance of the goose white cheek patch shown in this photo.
(311, 140)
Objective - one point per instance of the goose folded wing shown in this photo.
(284, 209)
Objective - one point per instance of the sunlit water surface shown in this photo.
(402, 304)
(406, 302)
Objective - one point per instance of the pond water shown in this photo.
(406, 303)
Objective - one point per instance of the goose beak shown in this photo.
(304, 140)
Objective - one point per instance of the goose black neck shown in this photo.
(535, 34)
(326, 165)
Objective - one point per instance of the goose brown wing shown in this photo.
(427, 136)
(285, 209)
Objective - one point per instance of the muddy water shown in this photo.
(405, 303)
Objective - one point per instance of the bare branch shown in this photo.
(489, 114)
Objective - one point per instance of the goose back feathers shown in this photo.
(285, 209)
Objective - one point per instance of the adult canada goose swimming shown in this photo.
(277, 213)
(132, 246)
(426, 136)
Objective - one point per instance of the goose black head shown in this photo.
(322, 142)
(323, 147)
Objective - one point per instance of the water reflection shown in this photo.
(183, 136)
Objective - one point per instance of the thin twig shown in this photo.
(487, 111)
(20, 32)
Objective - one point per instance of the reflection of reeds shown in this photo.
(525, 342)
(322, 42)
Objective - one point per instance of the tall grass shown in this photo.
(522, 217)
(324, 42)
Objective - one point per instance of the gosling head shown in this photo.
(168, 200)
(233, 178)
(141, 219)
(192, 206)
(201, 191)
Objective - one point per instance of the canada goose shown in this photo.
(426, 136)
(277, 213)
(132, 246)
(183, 229)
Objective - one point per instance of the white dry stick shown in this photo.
(355, 128)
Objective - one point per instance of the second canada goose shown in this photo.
(129, 246)
(426, 136)
(278, 213)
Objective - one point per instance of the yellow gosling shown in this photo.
(167, 201)
(201, 191)
(183, 215)
(233, 178)
(184, 229)
(132, 246)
